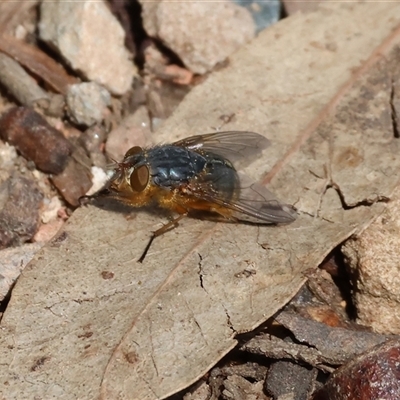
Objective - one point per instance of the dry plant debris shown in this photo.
(35, 139)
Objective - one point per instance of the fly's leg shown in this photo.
(167, 227)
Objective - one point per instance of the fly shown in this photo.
(197, 176)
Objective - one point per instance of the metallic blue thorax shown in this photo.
(172, 166)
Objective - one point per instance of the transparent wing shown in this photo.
(234, 146)
(251, 202)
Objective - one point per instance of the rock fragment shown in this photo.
(87, 103)
(373, 260)
(200, 45)
(90, 39)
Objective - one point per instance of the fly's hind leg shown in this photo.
(167, 227)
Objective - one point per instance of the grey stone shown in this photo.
(90, 39)
(201, 34)
(87, 102)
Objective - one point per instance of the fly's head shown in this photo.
(129, 181)
(131, 175)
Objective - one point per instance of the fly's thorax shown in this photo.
(172, 166)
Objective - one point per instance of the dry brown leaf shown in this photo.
(87, 321)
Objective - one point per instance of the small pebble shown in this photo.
(51, 208)
(87, 103)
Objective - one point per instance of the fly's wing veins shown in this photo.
(251, 202)
(234, 146)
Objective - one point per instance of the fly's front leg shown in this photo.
(167, 227)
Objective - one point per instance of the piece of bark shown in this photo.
(201, 391)
(250, 370)
(35, 139)
(238, 388)
(21, 85)
(335, 344)
(76, 179)
(221, 379)
(321, 346)
(274, 348)
(38, 62)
